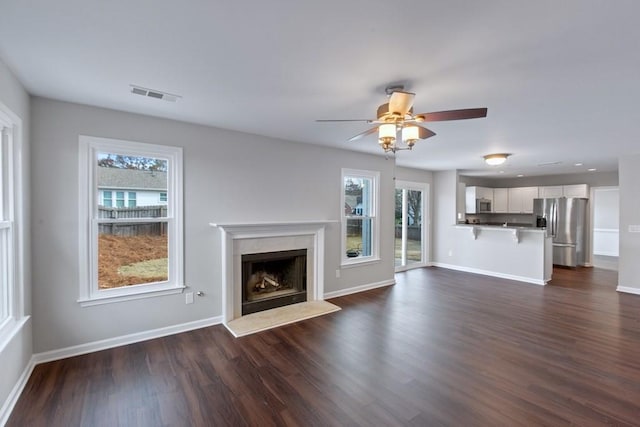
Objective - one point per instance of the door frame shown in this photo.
(426, 222)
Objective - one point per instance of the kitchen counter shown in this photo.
(516, 252)
(518, 226)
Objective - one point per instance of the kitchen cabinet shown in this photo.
(577, 190)
(550, 192)
(501, 200)
(521, 199)
(474, 193)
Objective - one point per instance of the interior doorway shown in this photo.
(606, 206)
(410, 225)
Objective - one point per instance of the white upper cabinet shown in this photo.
(578, 190)
(521, 199)
(485, 193)
(501, 200)
(551, 192)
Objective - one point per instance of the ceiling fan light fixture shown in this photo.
(496, 159)
(387, 134)
(410, 134)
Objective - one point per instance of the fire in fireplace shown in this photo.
(273, 279)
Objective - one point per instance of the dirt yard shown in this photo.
(134, 260)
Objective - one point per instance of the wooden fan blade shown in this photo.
(425, 133)
(401, 102)
(363, 134)
(441, 116)
(344, 120)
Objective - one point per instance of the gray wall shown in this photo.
(445, 191)
(628, 266)
(229, 177)
(15, 353)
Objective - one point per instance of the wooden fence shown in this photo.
(137, 212)
(135, 228)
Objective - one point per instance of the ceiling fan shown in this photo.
(397, 116)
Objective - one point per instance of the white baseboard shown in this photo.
(490, 273)
(16, 391)
(605, 253)
(77, 350)
(628, 290)
(360, 288)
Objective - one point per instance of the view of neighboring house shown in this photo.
(120, 188)
(352, 204)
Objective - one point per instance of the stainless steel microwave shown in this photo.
(483, 205)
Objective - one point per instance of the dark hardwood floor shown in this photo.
(438, 348)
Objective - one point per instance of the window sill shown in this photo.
(107, 299)
(360, 263)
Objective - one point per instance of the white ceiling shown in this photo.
(561, 79)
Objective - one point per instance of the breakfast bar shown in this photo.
(511, 252)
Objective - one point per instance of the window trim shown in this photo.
(12, 219)
(346, 262)
(89, 293)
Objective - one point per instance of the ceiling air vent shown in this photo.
(152, 93)
(548, 164)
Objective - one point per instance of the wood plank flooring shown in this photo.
(439, 348)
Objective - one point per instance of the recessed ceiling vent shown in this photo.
(152, 93)
(548, 164)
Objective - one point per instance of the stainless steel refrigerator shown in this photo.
(565, 222)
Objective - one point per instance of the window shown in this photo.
(120, 199)
(107, 199)
(6, 226)
(136, 250)
(11, 226)
(359, 216)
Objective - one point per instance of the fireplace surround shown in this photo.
(238, 239)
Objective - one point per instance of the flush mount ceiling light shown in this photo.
(496, 159)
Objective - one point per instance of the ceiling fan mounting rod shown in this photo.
(393, 88)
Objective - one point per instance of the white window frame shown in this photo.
(374, 176)
(12, 230)
(90, 294)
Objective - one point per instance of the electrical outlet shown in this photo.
(188, 298)
(450, 252)
(338, 273)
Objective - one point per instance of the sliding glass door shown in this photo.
(410, 242)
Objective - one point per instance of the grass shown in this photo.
(131, 260)
(414, 250)
(414, 247)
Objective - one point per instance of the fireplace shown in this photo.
(273, 279)
(240, 239)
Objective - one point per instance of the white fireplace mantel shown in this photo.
(259, 235)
